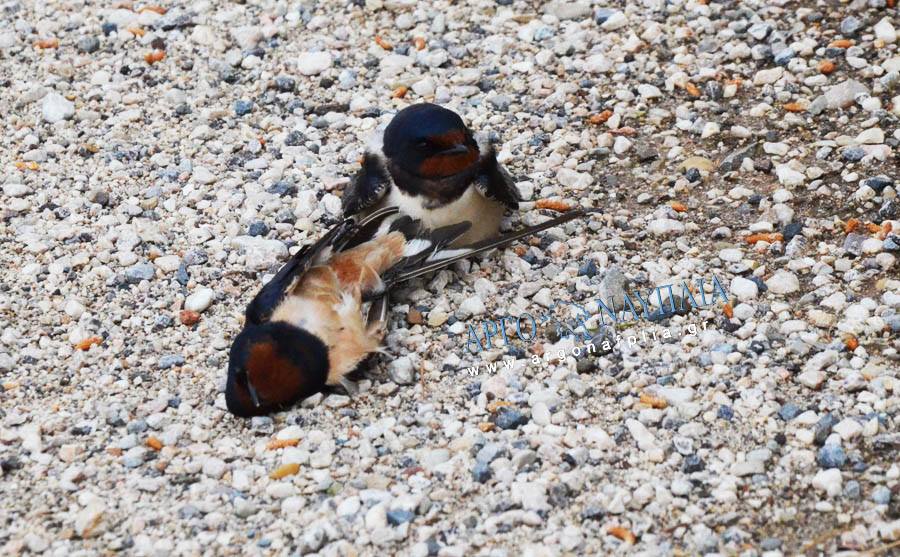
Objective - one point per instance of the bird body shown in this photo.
(307, 328)
(431, 166)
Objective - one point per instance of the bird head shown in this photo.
(430, 141)
(273, 365)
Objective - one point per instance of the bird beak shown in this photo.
(459, 149)
(254, 396)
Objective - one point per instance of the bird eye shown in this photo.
(422, 143)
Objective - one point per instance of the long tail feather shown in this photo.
(440, 259)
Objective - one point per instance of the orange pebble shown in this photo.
(154, 57)
(552, 204)
(282, 443)
(600, 118)
(770, 237)
(88, 342)
(383, 43)
(47, 43)
(622, 533)
(653, 401)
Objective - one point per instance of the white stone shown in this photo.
(260, 253)
(775, 148)
(313, 63)
(56, 108)
(848, 428)
(787, 176)
(168, 263)
(200, 300)
(597, 63)
(783, 282)
(744, 289)
(615, 21)
(648, 91)
(661, 227)
(471, 306)
(202, 175)
(246, 36)
(645, 439)
(885, 31)
(829, 481)
(571, 179)
(871, 136)
(812, 379)
(621, 145)
(767, 76)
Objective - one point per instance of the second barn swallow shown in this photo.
(429, 164)
(306, 328)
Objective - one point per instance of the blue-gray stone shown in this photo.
(784, 56)
(481, 473)
(759, 31)
(601, 15)
(725, 412)
(509, 418)
(588, 269)
(692, 463)
(853, 243)
(285, 84)
(852, 490)
(257, 228)
(182, 275)
(850, 25)
(490, 452)
(791, 230)
(195, 257)
(140, 271)
(831, 456)
(294, 139)
(823, 427)
(788, 411)
(136, 426)
(891, 243)
(893, 321)
(399, 516)
(881, 495)
(878, 183)
(889, 210)
(170, 360)
(282, 188)
(853, 154)
(88, 44)
(500, 102)
(188, 511)
(243, 107)
(543, 33)
(770, 544)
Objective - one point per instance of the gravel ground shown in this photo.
(162, 161)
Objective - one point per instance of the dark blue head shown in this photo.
(430, 141)
(272, 365)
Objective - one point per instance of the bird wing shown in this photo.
(439, 256)
(494, 182)
(286, 279)
(369, 186)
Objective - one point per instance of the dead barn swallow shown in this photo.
(306, 328)
(429, 165)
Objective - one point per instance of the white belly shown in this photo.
(484, 214)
